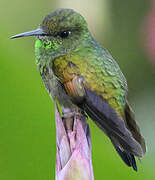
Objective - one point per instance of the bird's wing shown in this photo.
(103, 115)
(92, 89)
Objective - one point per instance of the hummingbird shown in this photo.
(81, 75)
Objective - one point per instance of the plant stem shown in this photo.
(73, 158)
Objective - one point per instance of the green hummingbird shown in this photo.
(79, 74)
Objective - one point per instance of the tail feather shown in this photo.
(127, 157)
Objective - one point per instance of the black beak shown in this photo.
(36, 32)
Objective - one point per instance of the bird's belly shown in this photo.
(56, 89)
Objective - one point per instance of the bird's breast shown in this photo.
(65, 68)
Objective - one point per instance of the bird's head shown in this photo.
(61, 32)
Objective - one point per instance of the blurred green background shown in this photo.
(27, 126)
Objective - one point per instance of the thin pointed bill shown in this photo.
(36, 32)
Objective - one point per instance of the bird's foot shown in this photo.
(70, 114)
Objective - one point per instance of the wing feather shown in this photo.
(123, 134)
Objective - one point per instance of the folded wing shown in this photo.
(124, 134)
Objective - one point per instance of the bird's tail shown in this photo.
(127, 157)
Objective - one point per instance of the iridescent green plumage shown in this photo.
(94, 63)
(79, 73)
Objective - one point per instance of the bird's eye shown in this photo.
(65, 34)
